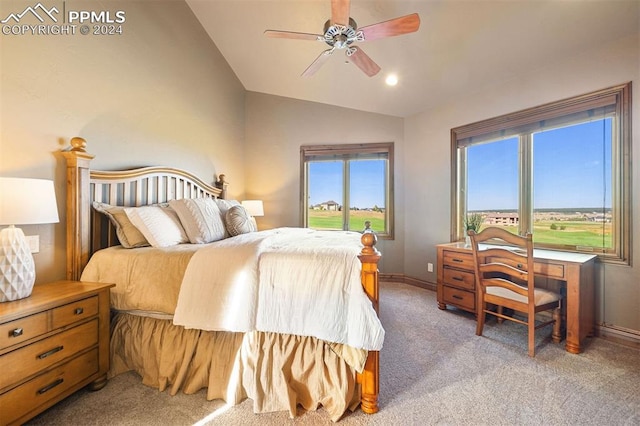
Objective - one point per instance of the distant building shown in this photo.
(503, 219)
(327, 205)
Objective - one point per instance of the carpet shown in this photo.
(434, 370)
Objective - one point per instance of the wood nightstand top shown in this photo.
(49, 295)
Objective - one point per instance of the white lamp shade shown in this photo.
(253, 207)
(27, 201)
(22, 202)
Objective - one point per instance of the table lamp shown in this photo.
(22, 202)
(254, 208)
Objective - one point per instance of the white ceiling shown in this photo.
(460, 46)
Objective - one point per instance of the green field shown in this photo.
(322, 219)
(572, 233)
(578, 233)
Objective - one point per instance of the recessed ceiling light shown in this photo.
(391, 80)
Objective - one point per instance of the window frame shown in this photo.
(616, 100)
(349, 152)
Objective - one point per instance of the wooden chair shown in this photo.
(505, 278)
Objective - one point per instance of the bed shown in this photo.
(172, 346)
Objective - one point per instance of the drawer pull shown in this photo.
(457, 278)
(455, 296)
(50, 386)
(457, 260)
(51, 352)
(79, 311)
(16, 332)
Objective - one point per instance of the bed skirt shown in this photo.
(276, 371)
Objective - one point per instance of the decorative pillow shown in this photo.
(224, 206)
(128, 235)
(159, 225)
(200, 218)
(238, 221)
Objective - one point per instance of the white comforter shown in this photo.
(287, 280)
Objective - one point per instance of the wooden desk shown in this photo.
(456, 285)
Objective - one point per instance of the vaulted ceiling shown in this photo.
(460, 46)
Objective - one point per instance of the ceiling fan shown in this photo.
(341, 31)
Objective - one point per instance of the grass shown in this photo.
(579, 233)
(319, 219)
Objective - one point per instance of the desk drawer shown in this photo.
(47, 386)
(458, 260)
(73, 312)
(22, 329)
(461, 298)
(459, 278)
(31, 359)
(549, 270)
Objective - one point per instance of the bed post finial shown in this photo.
(78, 144)
(222, 184)
(78, 207)
(370, 377)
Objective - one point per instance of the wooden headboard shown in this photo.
(88, 230)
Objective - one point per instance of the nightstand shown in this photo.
(52, 343)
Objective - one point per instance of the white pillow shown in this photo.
(224, 206)
(160, 226)
(239, 222)
(200, 218)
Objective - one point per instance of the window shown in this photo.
(560, 171)
(359, 176)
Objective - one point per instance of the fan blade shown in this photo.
(364, 62)
(315, 65)
(293, 35)
(340, 12)
(394, 27)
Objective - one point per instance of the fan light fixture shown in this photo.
(24, 202)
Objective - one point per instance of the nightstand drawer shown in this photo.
(73, 312)
(34, 358)
(458, 260)
(14, 332)
(49, 385)
(461, 298)
(459, 278)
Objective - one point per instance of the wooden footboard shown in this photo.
(88, 231)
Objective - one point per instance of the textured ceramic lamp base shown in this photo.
(17, 270)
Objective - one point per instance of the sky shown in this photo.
(572, 168)
(367, 182)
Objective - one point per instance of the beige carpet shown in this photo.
(434, 370)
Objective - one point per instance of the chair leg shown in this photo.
(500, 319)
(531, 326)
(481, 316)
(557, 318)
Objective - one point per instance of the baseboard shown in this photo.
(402, 278)
(619, 335)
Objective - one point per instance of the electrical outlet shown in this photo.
(34, 243)
(429, 267)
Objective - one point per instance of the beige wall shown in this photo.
(277, 126)
(427, 161)
(160, 94)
